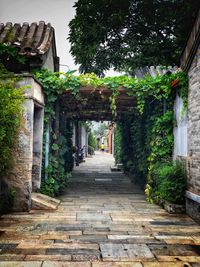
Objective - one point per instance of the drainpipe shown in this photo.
(47, 151)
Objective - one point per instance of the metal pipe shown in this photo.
(47, 150)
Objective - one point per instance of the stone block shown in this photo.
(20, 264)
(65, 264)
(193, 209)
(117, 264)
(126, 252)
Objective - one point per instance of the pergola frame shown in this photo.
(94, 103)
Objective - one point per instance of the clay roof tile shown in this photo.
(30, 39)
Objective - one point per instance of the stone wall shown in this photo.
(37, 146)
(19, 177)
(193, 160)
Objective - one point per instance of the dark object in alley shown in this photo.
(81, 154)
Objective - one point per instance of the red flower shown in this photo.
(175, 83)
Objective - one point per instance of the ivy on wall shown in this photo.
(55, 177)
(11, 111)
(11, 108)
(147, 135)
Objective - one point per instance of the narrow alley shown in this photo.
(103, 220)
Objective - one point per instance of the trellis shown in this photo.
(94, 103)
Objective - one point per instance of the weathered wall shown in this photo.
(19, 177)
(49, 60)
(180, 130)
(194, 137)
(84, 140)
(74, 136)
(37, 146)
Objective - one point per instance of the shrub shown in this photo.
(92, 141)
(169, 182)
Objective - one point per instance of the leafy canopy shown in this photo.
(159, 87)
(129, 34)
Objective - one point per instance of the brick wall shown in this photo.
(194, 134)
(194, 125)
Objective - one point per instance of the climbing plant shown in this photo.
(56, 83)
(146, 135)
(11, 100)
(92, 141)
(55, 176)
(7, 51)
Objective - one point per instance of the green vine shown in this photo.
(60, 151)
(11, 108)
(9, 51)
(157, 88)
(147, 134)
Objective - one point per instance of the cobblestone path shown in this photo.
(102, 221)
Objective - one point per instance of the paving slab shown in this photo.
(166, 264)
(20, 264)
(126, 252)
(117, 264)
(102, 220)
(10, 257)
(93, 217)
(48, 258)
(65, 264)
(125, 237)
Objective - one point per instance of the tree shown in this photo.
(92, 141)
(101, 130)
(130, 34)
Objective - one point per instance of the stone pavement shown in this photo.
(103, 220)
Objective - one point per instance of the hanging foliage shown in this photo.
(55, 84)
(55, 176)
(11, 100)
(145, 136)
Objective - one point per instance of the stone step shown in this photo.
(43, 202)
(115, 169)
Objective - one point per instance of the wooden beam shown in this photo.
(95, 103)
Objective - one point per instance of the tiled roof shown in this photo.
(30, 39)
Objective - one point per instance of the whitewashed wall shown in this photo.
(180, 129)
(84, 139)
(74, 135)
